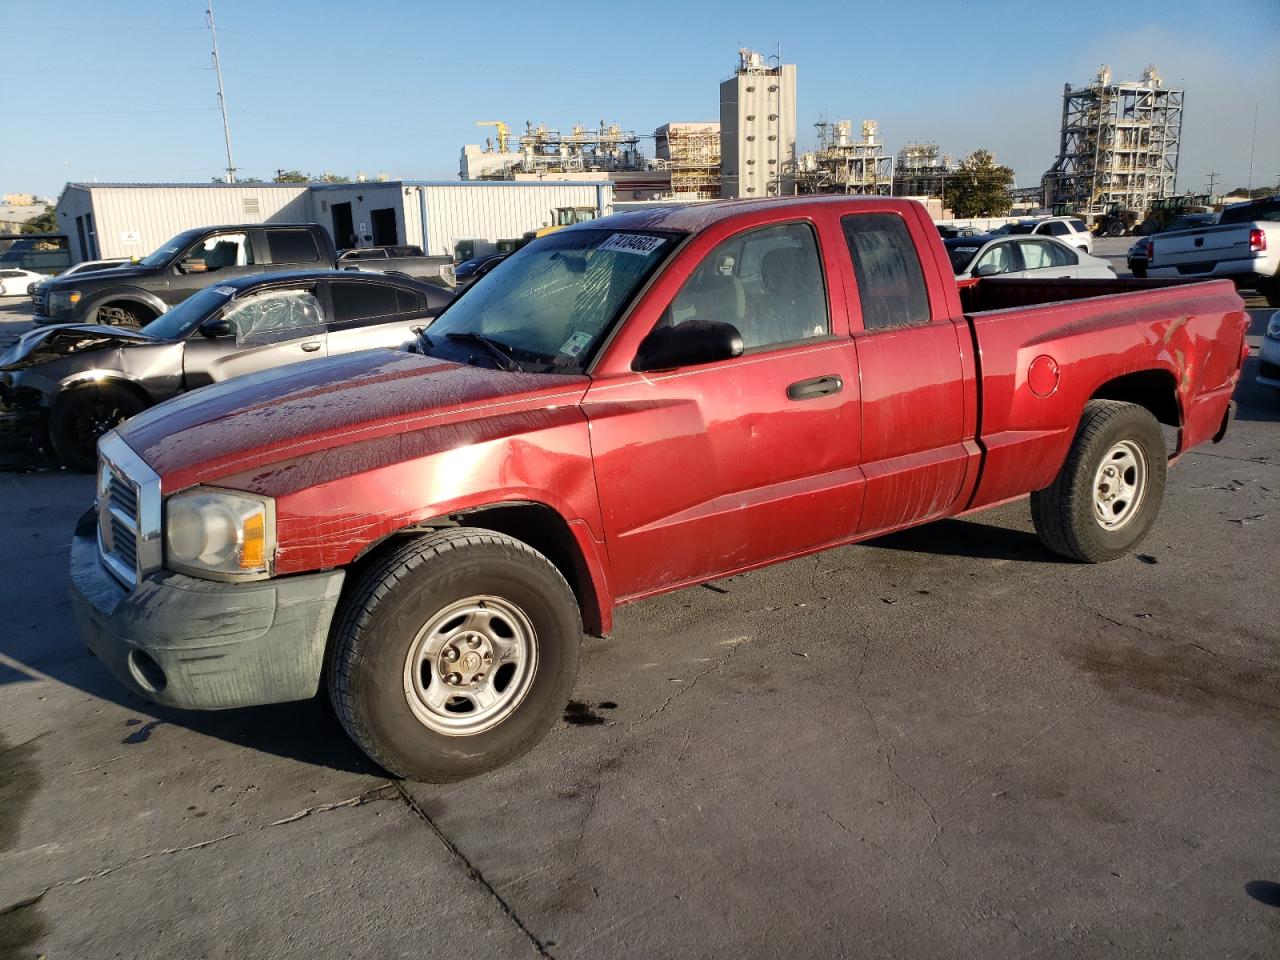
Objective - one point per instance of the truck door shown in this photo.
(916, 428)
(215, 258)
(711, 468)
(268, 329)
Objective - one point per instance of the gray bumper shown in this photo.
(187, 642)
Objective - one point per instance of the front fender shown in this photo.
(134, 295)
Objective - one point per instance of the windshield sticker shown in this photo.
(577, 342)
(635, 243)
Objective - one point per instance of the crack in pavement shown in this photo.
(472, 871)
(685, 688)
(369, 796)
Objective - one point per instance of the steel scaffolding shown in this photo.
(1119, 145)
(844, 165)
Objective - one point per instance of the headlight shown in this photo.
(1273, 326)
(220, 534)
(61, 299)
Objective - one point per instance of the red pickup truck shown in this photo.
(622, 408)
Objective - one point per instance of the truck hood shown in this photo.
(105, 275)
(265, 418)
(53, 343)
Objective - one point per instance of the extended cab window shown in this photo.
(359, 301)
(218, 252)
(292, 246)
(274, 315)
(890, 282)
(767, 283)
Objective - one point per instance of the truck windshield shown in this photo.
(169, 249)
(183, 319)
(552, 301)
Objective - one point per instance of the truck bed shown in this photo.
(997, 293)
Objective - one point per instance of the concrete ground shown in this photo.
(945, 743)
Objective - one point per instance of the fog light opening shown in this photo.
(146, 671)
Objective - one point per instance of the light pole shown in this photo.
(222, 100)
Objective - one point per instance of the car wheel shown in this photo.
(83, 415)
(453, 654)
(1108, 492)
(121, 315)
(1139, 271)
(1270, 289)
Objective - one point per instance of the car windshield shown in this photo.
(169, 249)
(182, 320)
(961, 255)
(551, 303)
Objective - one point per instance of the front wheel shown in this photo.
(453, 654)
(82, 416)
(1108, 492)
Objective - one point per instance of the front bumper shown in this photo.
(186, 642)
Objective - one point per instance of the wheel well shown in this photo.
(80, 385)
(1156, 390)
(144, 311)
(535, 524)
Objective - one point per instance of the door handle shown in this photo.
(817, 387)
(418, 328)
(311, 346)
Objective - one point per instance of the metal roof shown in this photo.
(319, 185)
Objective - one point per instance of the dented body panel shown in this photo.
(668, 478)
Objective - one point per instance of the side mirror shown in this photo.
(688, 344)
(215, 328)
(987, 270)
(193, 265)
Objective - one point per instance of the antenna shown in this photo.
(222, 100)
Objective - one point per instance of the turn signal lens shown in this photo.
(253, 548)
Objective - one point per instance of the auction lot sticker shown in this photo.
(635, 243)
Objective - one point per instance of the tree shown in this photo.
(979, 188)
(1255, 193)
(46, 222)
(291, 176)
(239, 180)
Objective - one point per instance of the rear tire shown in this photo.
(83, 415)
(1270, 289)
(1108, 492)
(421, 643)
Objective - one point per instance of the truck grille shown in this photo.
(128, 512)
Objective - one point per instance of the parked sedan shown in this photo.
(1040, 258)
(469, 271)
(14, 281)
(82, 379)
(85, 266)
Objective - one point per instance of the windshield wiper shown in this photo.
(497, 349)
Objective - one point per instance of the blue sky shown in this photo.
(123, 90)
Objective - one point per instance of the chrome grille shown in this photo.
(128, 512)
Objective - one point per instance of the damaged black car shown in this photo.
(79, 381)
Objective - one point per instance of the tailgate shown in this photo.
(1207, 246)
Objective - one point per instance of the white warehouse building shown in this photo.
(444, 218)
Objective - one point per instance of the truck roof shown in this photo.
(690, 217)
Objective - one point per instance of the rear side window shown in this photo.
(404, 251)
(1078, 225)
(292, 246)
(361, 301)
(1058, 228)
(890, 282)
(410, 302)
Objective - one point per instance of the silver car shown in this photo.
(1040, 258)
(84, 379)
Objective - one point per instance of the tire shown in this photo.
(1140, 272)
(1092, 516)
(381, 675)
(1270, 289)
(83, 415)
(122, 315)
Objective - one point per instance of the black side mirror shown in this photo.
(987, 270)
(215, 328)
(193, 265)
(688, 344)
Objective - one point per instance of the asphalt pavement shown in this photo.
(945, 743)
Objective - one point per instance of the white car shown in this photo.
(15, 282)
(1070, 230)
(1269, 351)
(85, 266)
(1038, 258)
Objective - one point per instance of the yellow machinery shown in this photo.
(503, 132)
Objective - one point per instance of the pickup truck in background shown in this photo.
(628, 406)
(405, 259)
(135, 294)
(1243, 247)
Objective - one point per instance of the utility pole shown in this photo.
(1213, 179)
(1253, 143)
(222, 100)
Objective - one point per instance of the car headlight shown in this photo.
(220, 534)
(1273, 326)
(62, 299)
